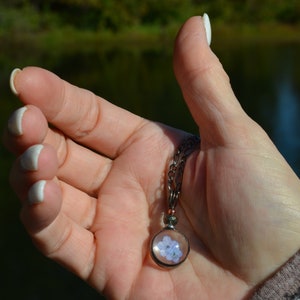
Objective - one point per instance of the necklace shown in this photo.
(170, 247)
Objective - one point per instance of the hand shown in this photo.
(104, 172)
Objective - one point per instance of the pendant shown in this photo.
(169, 247)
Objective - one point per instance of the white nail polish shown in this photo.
(30, 158)
(207, 26)
(14, 124)
(36, 192)
(12, 80)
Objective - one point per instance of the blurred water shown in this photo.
(265, 77)
(286, 119)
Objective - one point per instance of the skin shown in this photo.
(105, 170)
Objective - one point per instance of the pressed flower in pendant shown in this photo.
(169, 249)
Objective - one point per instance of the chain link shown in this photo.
(175, 173)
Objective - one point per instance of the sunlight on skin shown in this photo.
(240, 200)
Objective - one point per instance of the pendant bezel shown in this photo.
(182, 240)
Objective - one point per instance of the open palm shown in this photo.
(105, 170)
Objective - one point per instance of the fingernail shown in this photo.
(29, 159)
(207, 26)
(12, 80)
(36, 192)
(14, 124)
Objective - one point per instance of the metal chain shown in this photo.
(175, 173)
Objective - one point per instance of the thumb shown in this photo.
(205, 85)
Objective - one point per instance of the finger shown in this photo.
(77, 205)
(54, 233)
(205, 85)
(78, 113)
(28, 127)
(79, 166)
(38, 162)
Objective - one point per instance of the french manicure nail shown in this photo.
(207, 26)
(36, 192)
(14, 124)
(12, 81)
(29, 159)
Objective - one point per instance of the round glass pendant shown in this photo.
(169, 247)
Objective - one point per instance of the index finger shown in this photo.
(86, 118)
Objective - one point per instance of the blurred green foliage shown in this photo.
(115, 15)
